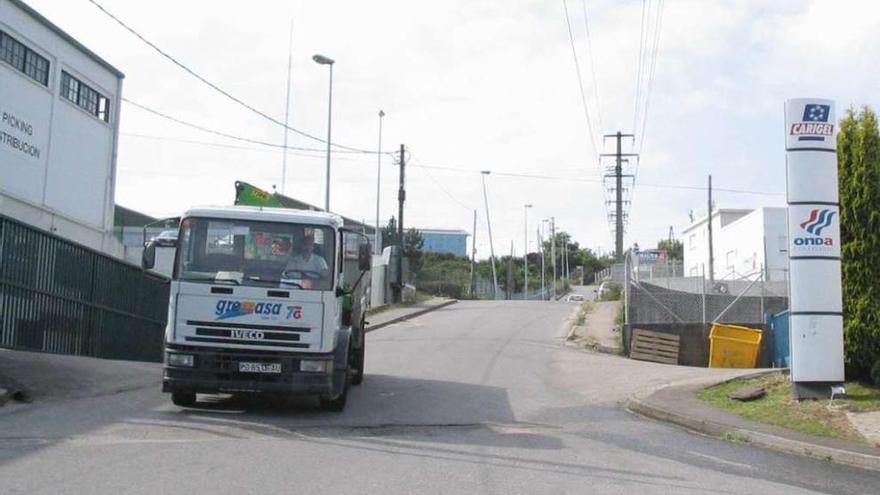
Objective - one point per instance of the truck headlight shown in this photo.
(315, 366)
(175, 359)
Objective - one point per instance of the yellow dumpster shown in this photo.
(732, 346)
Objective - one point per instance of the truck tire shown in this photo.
(183, 399)
(337, 404)
(358, 357)
(358, 364)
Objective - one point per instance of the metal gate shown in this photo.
(60, 297)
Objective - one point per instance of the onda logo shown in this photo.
(819, 220)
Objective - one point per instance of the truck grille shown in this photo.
(247, 334)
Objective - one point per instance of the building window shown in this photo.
(69, 87)
(85, 97)
(24, 59)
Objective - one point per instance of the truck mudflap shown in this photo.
(221, 371)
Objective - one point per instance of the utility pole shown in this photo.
(618, 176)
(510, 284)
(401, 198)
(526, 252)
(711, 249)
(483, 175)
(565, 260)
(377, 240)
(474, 256)
(540, 233)
(553, 253)
(287, 110)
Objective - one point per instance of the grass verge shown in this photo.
(813, 417)
(582, 314)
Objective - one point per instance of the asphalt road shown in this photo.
(479, 397)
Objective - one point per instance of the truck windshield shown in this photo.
(262, 254)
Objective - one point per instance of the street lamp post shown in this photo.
(483, 175)
(543, 264)
(526, 251)
(553, 253)
(320, 59)
(377, 241)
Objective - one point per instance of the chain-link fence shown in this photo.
(688, 306)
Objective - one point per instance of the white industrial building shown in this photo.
(745, 242)
(59, 129)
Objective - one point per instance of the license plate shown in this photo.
(259, 367)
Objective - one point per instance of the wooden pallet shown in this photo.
(654, 346)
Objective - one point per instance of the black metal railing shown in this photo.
(60, 297)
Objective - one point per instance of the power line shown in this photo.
(592, 66)
(657, 30)
(321, 154)
(412, 160)
(648, 54)
(596, 181)
(214, 86)
(577, 67)
(227, 135)
(638, 98)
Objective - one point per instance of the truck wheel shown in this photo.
(357, 363)
(183, 399)
(337, 404)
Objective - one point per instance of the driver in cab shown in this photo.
(309, 264)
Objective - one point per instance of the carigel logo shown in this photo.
(230, 309)
(819, 220)
(814, 125)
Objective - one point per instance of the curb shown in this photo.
(763, 440)
(405, 317)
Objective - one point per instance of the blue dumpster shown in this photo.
(778, 325)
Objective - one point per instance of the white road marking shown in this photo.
(723, 461)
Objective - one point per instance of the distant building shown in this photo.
(744, 242)
(445, 241)
(59, 128)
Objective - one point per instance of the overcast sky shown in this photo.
(472, 85)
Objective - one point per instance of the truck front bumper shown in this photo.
(217, 371)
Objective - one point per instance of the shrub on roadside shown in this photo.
(445, 289)
(612, 294)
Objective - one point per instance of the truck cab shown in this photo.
(265, 300)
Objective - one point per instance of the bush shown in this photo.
(612, 293)
(445, 289)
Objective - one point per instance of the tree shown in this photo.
(577, 256)
(412, 243)
(858, 149)
(673, 247)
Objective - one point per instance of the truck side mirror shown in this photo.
(148, 258)
(365, 257)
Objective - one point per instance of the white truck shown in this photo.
(265, 300)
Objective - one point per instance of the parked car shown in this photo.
(575, 298)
